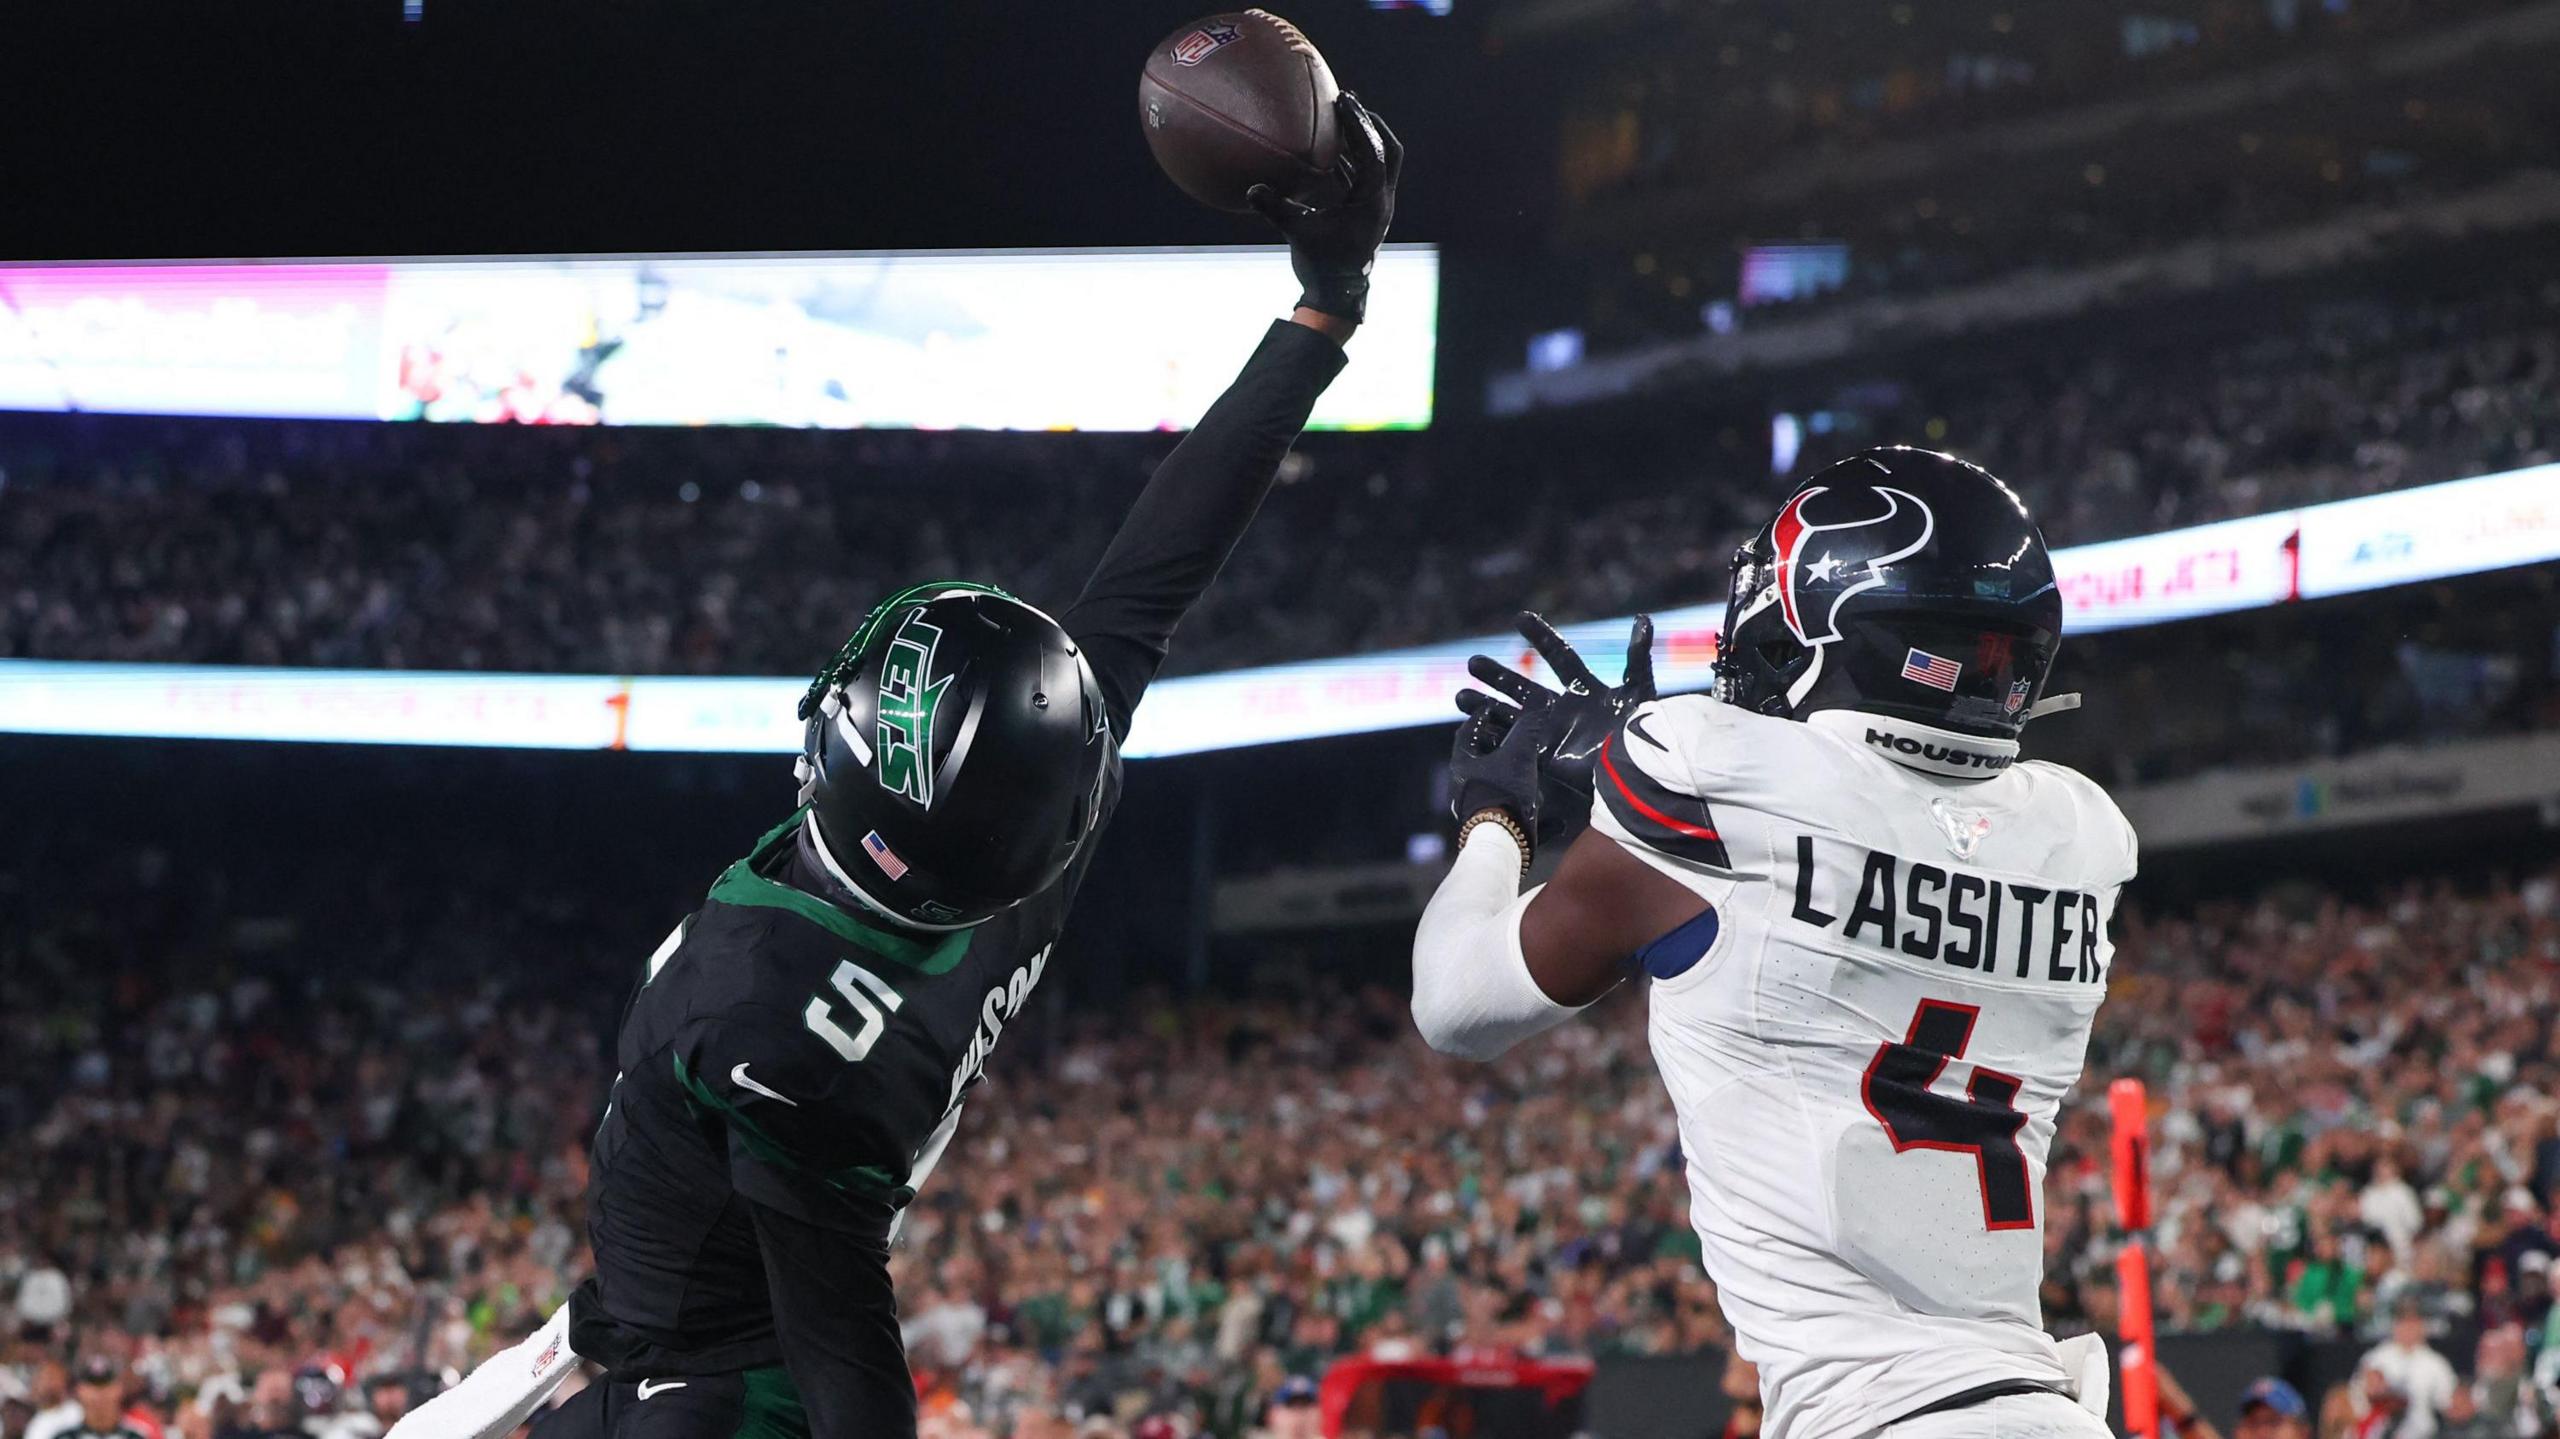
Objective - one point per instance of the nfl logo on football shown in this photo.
(1202, 43)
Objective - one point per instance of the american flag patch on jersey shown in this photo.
(883, 856)
(1935, 671)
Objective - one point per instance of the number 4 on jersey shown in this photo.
(1984, 1124)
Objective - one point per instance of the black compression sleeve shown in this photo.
(1193, 510)
(837, 1322)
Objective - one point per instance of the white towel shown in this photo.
(499, 1395)
(2084, 1356)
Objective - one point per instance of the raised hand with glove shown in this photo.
(1569, 724)
(1516, 770)
(1333, 247)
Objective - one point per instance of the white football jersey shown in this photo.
(1868, 1036)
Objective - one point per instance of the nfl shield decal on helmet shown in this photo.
(2017, 699)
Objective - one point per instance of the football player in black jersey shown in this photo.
(801, 1050)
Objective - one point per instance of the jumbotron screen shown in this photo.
(1004, 340)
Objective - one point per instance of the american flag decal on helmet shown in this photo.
(1936, 671)
(883, 856)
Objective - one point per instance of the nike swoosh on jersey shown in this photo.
(1635, 726)
(738, 1077)
(661, 1386)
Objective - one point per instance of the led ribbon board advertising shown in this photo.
(2460, 528)
(996, 341)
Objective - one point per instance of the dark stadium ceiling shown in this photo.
(1857, 138)
(274, 127)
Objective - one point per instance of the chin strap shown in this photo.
(2053, 705)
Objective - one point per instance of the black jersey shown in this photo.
(793, 1066)
(787, 1054)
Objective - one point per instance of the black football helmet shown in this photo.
(1898, 582)
(955, 755)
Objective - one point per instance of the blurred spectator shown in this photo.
(49, 1396)
(2463, 1418)
(2389, 1207)
(1293, 1413)
(270, 1411)
(386, 1398)
(2271, 1409)
(1740, 1385)
(2328, 1289)
(363, 1153)
(2420, 1378)
(2377, 1408)
(99, 1391)
(44, 1298)
(2508, 1403)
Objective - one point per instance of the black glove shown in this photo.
(1578, 720)
(1333, 248)
(1494, 765)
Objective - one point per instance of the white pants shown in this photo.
(2011, 1416)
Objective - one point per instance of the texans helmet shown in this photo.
(1898, 582)
(955, 756)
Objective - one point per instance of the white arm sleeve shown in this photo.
(1473, 995)
(499, 1395)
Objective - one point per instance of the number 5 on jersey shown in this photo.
(870, 996)
(1984, 1124)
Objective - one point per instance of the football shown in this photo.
(1235, 101)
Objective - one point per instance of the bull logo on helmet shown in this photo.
(1810, 569)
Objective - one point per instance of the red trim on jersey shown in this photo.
(1610, 767)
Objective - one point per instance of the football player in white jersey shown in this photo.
(1873, 940)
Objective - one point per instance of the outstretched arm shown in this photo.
(1194, 509)
(1492, 966)
(1200, 500)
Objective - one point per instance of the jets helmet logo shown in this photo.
(1812, 568)
(909, 694)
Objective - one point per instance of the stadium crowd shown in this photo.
(255, 1166)
(1717, 97)
(751, 551)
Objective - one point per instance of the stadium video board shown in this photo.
(1000, 340)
